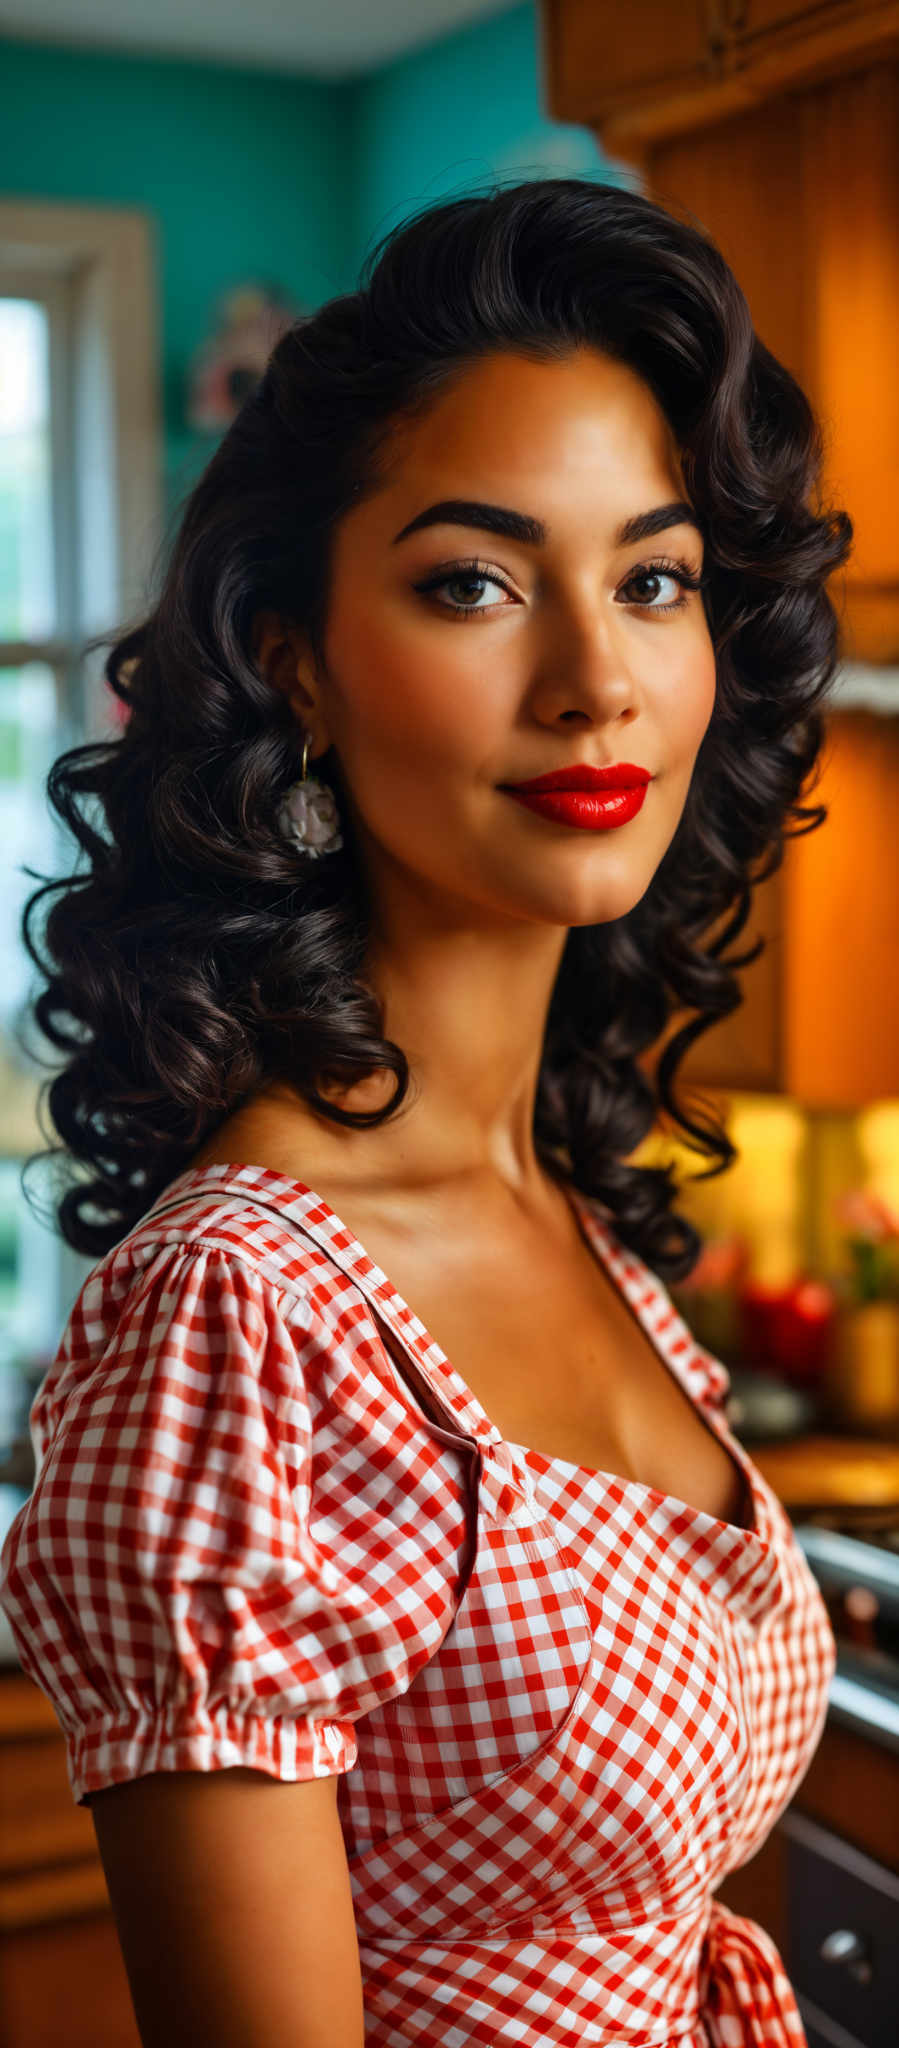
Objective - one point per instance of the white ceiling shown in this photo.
(333, 41)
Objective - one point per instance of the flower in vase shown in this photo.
(873, 1237)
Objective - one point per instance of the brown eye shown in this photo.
(464, 575)
(658, 572)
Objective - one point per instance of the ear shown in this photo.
(281, 654)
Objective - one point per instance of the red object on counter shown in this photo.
(788, 1329)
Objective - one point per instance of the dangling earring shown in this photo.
(308, 814)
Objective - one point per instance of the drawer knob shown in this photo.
(847, 1948)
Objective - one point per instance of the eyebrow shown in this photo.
(519, 526)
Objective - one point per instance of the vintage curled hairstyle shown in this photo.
(200, 953)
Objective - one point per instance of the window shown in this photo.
(38, 712)
(79, 527)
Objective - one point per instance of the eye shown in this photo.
(460, 574)
(658, 572)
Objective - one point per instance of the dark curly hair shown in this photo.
(199, 956)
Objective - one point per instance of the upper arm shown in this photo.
(231, 1895)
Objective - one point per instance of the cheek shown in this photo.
(694, 695)
(407, 700)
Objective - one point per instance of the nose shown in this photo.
(587, 668)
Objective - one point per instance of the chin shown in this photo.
(616, 898)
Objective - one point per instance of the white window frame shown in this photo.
(93, 268)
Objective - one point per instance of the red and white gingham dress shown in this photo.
(271, 1525)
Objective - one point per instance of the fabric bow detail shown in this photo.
(746, 1999)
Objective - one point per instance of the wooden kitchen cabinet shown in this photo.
(818, 1021)
(62, 1978)
(604, 67)
(842, 1831)
(653, 69)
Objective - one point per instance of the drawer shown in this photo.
(842, 1952)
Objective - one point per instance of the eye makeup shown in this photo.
(477, 571)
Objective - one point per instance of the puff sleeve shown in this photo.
(163, 1582)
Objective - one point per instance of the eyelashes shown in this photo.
(481, 572)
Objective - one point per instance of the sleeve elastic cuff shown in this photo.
(194, 1738)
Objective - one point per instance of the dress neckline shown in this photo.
(341, 1244)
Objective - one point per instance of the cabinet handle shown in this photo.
(847, 1948)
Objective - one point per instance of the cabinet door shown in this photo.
(599, 53)
(656, 69)
(748, 20)
(819, 1009)
(842, 1912)
(841, 918)
(746, 1049)
(62, 1976)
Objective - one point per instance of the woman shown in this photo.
(375, 1464)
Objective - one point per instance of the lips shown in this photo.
(621, 775)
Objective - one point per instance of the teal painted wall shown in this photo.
(257, 175)
(243, 174)
(446, 119)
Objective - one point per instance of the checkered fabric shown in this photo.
(271, 1525)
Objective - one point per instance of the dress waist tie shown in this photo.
(746, 1999)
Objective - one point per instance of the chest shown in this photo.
(529, 1319)
(557, 1360)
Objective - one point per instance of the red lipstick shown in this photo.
(621, 775)
(593, 798)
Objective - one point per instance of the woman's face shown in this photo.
(445, 682)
